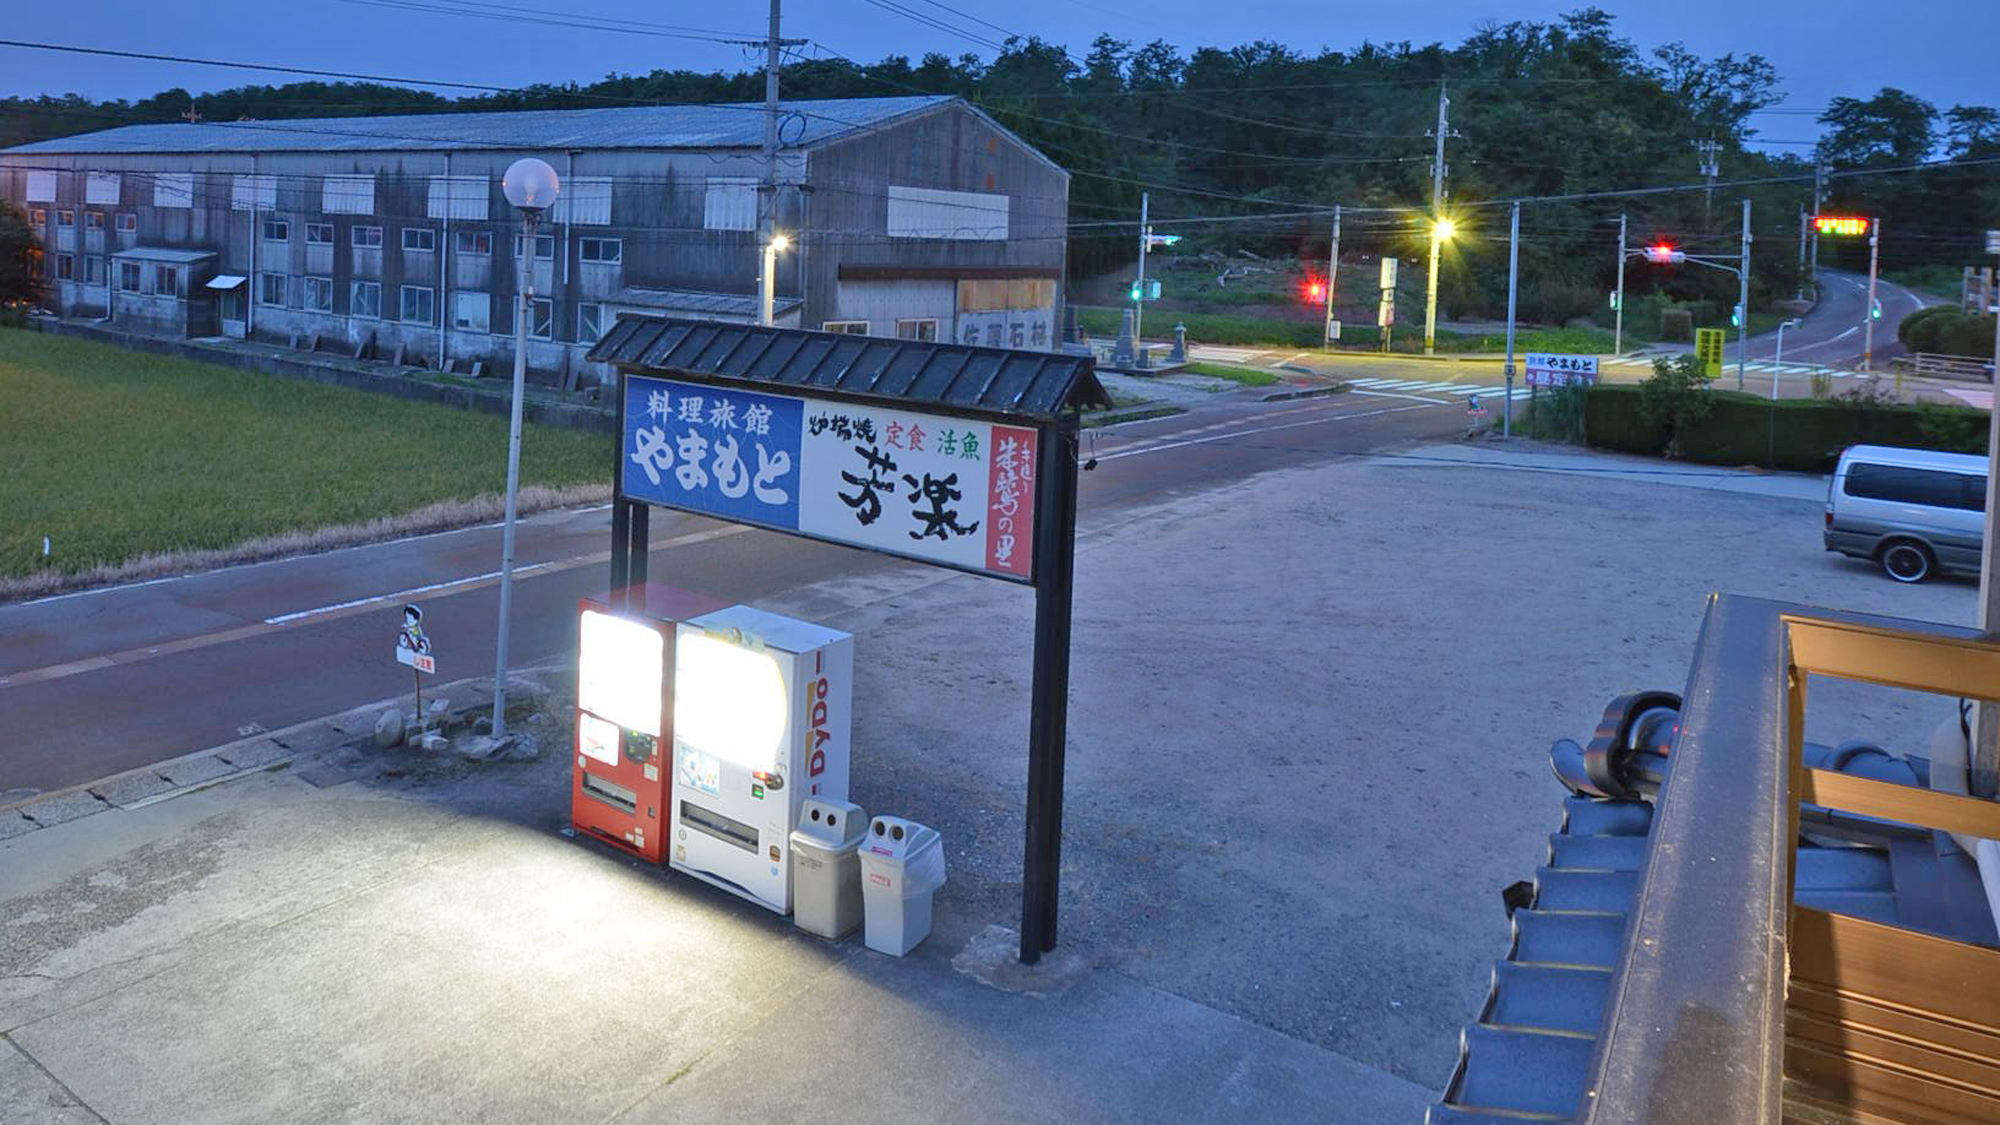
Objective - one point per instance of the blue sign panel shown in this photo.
(722, 452)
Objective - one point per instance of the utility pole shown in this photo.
(1709, 169)
(1618, 314)
(767, 192)
(1332, 272)
(1437, 216)
(1513, 284)
(1868, 314)
(1743, 300)
(1800, 292)
(1820, 169)
(1139, 289)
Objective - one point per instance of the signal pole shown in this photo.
(1868, 314)
(1139, 290)
(767, 192)
(1332, 271)
(1820, 169)
(1513, 284)
(1618, 314)
(1743, 300)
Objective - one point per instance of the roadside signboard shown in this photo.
(1708, 350)
(1332, 329)
(1993, 242)
(1385, 313)
(1547, 369)
(413, 647)
(1388, 274)
(941, 489)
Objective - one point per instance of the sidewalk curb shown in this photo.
(66, 799)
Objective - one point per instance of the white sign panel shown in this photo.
(1544, 369)
(955, 491)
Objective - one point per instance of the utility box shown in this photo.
(902, 866)
(826, 867)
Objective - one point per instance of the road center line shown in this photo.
(1163, 447)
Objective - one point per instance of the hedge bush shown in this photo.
(1947, 331)
(1810, 432)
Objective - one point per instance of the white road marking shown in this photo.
(1164, 446)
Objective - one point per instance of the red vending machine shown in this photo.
(624, 713)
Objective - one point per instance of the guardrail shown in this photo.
(1731, 1005)
(1937, 366)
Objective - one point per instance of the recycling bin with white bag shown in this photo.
(826, 872)
(902, 865)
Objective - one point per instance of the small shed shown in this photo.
(163, 290)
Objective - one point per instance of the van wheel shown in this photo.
(1906, 561)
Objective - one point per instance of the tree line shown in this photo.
(1246, 148)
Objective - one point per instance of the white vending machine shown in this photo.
(761, 722)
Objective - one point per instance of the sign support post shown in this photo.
(1055, 564)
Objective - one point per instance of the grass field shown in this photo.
(1241, 329)
(114, 455)
(1248, 376)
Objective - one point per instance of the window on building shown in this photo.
(545, 247)
(541, 318)
(128, 223)
(66, 267)
(316, 294)
(93, 270)
(847, 327)
(472, 312)
(367, 238)
(277, 230)
(39, 216)
(167, 281)
(917, 329)
(420, 238)
(591, 321)
(128, 277)
(365, 298)
(65, 218)
(93, 220)
(417, 304)
(271, 289)
(473, 241)
(600, 249)
(319, 234)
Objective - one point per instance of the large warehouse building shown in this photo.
(918, 217)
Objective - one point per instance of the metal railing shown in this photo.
(1696, 1026)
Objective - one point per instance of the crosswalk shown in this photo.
(1427, 387)
(1755, 367)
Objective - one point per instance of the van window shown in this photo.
(1929, 487)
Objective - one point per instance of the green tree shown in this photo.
(19, 253)
(1890, 128)
(1675, 398)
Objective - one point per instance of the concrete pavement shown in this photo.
(1309, 726)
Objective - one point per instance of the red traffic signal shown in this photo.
(1315, 290)
(1664, 254)
(1840, 224)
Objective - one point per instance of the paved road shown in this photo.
(115, 679)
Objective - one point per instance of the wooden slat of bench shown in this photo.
(1808, 999)
(1853, 1083)
(1906, 804)
(1918, 1058)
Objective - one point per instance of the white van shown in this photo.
(1912, 510)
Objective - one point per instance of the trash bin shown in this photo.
(826, 873)
(902, 865)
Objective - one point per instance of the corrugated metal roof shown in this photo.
(697, 301)
(1035, 385)
(736, 125)
(163, 254)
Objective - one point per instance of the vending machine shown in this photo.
(624, 707)
(761, 723)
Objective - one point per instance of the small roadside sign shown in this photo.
(1708, 350)
(1547, 369)
(1388, 274)
(1993, 242)
(413, 647)
(1332, 329)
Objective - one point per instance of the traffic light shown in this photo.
(1665, 255)
(1736, 316)
(1875, 309)
(1133, 295)
(1315, 290)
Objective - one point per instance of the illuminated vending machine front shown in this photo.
(622, 783)
(761, 722)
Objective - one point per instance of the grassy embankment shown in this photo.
(132, 464)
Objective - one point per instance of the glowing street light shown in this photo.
(1441, 231)
(768, 277)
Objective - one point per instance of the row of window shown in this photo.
(920, 328)
(610, 251)
(472, 311)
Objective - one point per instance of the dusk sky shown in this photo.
(1942, 52)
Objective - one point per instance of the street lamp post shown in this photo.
(1441, 230)
(1777, 358)
(530, 185)
(767, 288)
